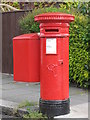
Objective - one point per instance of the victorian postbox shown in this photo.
(54, 63)
(26, 58)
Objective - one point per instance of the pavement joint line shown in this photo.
(73, 95)
(7, 83)
(81, 93)
(14, 87)
(20, 83)
(27, 94)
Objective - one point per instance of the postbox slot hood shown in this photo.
(54, 16)
(31, 36)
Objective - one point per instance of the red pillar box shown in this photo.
(54, 63)
(26, 58)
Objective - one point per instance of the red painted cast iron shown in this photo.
(26, 58)
(54, 59)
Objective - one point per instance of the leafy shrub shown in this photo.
(82, 7)
(27, 23)
(78, 52)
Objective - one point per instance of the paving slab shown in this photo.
(77, 111)
(78, 99)
(18, 92)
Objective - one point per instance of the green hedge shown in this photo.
(27, 23)
(78, 52)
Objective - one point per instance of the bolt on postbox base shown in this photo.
(54, 107)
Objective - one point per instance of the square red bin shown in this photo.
(26, 58)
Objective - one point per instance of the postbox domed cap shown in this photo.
(54, 16)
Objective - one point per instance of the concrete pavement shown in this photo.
(12, 92)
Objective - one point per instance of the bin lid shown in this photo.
(54, 16)
(30, 36)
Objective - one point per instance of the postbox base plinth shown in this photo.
(54, 107)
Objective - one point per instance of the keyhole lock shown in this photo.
(60, 62)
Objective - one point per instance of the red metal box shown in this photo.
(26, 58)
(54, 63)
